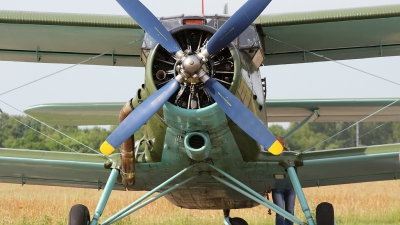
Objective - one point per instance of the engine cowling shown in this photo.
(162, 66)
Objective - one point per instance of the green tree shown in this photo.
(277, 130)
(25, 133)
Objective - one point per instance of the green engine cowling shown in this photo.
(228, 67)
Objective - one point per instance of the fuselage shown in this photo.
(191, 111)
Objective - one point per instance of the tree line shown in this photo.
(332, 135)
(25, 133)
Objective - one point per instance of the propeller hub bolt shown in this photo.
(191, 64)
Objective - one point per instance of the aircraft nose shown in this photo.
(191, 65)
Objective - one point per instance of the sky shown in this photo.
(85, 83)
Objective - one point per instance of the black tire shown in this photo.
(325, 214)
(237, 221)
(79, 215)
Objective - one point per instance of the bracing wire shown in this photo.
(52, 74)
(310, 149)
(69, 67)
(44, 135)
(351, 67)
(65, 135)
(381, 125)
(335, 61)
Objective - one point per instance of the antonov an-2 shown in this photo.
(203, 105)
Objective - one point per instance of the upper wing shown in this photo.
(69, 38)
(336, 34)
(333, 110)
(72, 38)
(328, 110)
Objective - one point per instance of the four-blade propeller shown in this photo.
(238, 113)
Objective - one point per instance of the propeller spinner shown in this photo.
(192, 66)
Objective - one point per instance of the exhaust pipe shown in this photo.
(127, 157)
(197, 145)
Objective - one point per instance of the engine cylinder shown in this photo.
(162, 67)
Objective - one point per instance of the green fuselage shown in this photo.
(231, 148)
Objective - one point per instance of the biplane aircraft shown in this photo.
(203, 105)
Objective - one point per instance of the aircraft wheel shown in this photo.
(325, 214)
(79, 215)
(237, 221)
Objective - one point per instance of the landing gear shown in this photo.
(233, 221)
(79, 215)
(238, 221)
(325, 214)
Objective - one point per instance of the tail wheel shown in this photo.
(325, 214)
(79, 215)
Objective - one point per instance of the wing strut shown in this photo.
(312, 117)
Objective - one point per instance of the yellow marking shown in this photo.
(276, 148)
(157, 98)
(224, 99)
(227, 33)
(160, 33)
(106, 148)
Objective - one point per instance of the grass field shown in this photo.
(365, 203)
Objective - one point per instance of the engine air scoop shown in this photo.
(198, 146)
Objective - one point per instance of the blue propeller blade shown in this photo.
(150, 24)
(235, 25)
(138, 117)
(243, 117)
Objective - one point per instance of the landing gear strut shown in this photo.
(79, 214)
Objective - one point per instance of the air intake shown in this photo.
(198, 146)
(196, 141)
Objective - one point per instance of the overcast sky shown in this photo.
(86, 83)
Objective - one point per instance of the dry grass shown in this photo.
(367, 203)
